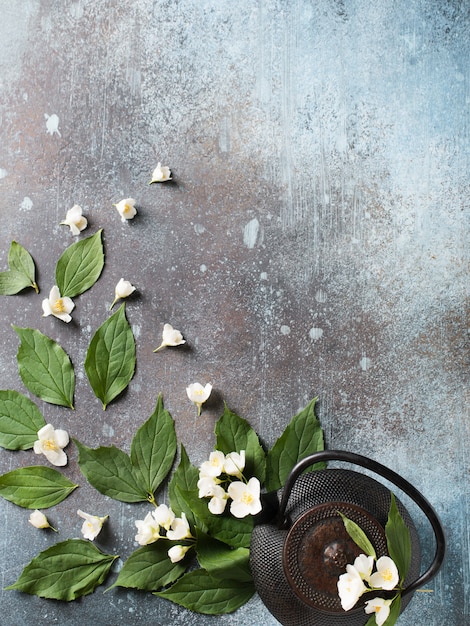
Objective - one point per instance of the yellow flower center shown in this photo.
(50, 444)
(59, 306)
(247, 498)
(387, 574)
(127, 208)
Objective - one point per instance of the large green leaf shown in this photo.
(35, 487)
(200, 592)
(20, 420)
(184, 479)
(80, 266)
(45, 367)
(110, 471)
(231, 530)
(110, 359)
(65, 571)
(149, 568)
(302, 437)
(222, 561)
(233, 434)
(398, 539)
(153, 449)
(22, 272)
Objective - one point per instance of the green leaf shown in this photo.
(109, 470)
(395, 609)
(110, 359)
(36, 487)
(233, 434)
(398, 540)
(80, 266)
(199, 591)
(153, 449)
(231, 530)
(358, 536)
(65, 571)
(149, 568)
(302, 437)
(45, 368)
(221, 561)
(20, 420)
(22, 272)
(184, 479)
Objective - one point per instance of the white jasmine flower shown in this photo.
(50, 443)
(170, 337)
(246, 498)
(198, 394)
(380, 607)
(122, 290)
(75, 220)
(177, 553)
(234, 464)
(364, 565)
(207, 485)
(57, 306)
(218, 501)
(148, 530)
(214, 466)
(160, 174)
(92, 524)
(350, 587)
(179, 529)
(39, 520)
(386, 576)
(164, 516)
(126, 209)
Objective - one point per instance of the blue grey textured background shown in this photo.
(314, 242)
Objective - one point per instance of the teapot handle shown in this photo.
(393, 477)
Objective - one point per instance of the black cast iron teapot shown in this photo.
(299, 545)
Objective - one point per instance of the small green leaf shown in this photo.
(233, 434)
(358, 536)
(109, 470)
(22, 272)
(302, 437)
(65, 571)
(222, 561)
(199, 591)
(80, 266)
(153, 449)
(20, 420)
(394, 614)
(149, 568)
(231, 530)
(184, 479)
(35, 487)
(45, 367)
(398, 539)
(110, 359)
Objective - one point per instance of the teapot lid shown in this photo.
(318, 548)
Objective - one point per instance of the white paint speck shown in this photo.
(136, 330)
(263, 276)
(26, 204)
(315, 333)
(321, 296)
(203, 268)
(285, 330)
(250, 233)
(108, 430)
(3, 173)
(365, 363)
(199, 229)
(52, 124)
